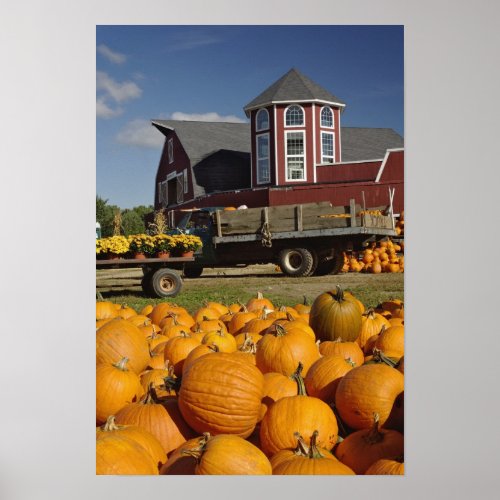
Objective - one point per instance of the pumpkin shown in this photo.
(324, 376)
(371, 324)
(228, 454)
(224, 340)
(258, 325)
(177, 349)
(157, 360)
(198, 352)
(243, 337)
(362, 448)
(116, 386)
(221, 394)
(209, 325)
(161, 418)
(184, 319)
(239, 320)
(308, 460)
(395, 307)
(333, 315)
(392, 342)
(205, 313)
(140, 320)
(180, 463)
(348, 350)
(220, 308)
(281, 351)
(126, 312)
(162, 310)
(157, 376)
(105, 310)
(141, 436)
(119, 454)
(365, 390)
(302, 414)
(304, 308)
(119, 339)
(385, 466)
(259, 302)
(295, 323)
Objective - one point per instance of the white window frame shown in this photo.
(333, 148)
(186, 184)
(179, 188)
(303, 155)
(163, 193)
(257, 128)
(170, 147)
(303, 116)
(321, 117)
(257, 158)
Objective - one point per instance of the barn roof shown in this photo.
(293, 86)
(202, 139)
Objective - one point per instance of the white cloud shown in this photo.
(206, 117)
(140, 133)
(111, 55)
(118, 91)
(105, 111)
(189, 41)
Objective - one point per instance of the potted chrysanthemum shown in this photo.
(187, 244)
(141, 245)
(163, 245)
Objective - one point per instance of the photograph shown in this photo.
(250, 184)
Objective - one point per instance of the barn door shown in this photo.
(180, 188)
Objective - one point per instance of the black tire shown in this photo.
(165, 283)
(193, 271)
(296, 262)
(146, 283)
(330, 265)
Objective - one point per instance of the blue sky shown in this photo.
(211, 72)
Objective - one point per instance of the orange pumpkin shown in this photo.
(384, 467)
(230, 403)
(348, 350)
(177, 349)
(259, 302)
(371, 324)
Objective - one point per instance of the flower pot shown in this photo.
(163, 255)
(139, 255)
(113, 256)
(187, 254)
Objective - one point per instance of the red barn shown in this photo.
(294, 150)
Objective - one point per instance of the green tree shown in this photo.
(132, 222)
(104, 215)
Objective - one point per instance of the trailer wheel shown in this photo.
(165, 283)
(331, 265)
(296, 262)
(193, 271)
(146, 283)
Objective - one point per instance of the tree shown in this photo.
(104, 215)
(132, 222)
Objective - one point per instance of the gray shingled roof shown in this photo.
(360, 143)
(293, 86)
(201, 139)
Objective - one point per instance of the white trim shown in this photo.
(349, 162)
(314, 139)
(270, 103)
(259, 182)
(333, 118)
(340, 138)
(170, 150)
(322, 132)
(275, 149)
(256, 121)
(186, 180)
(384, 161)
(303, 116)
(303, 132)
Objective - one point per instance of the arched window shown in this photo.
(262, 120)
(294, 116)
(326, 117)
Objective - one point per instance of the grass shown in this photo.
(281, 290)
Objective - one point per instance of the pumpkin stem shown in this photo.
(122, 364)
(302, 448)
(374, 435)
(110, 424)
(260, 295)
(198, 451)
(305, 301)
(151, 396)
(297, 376)
(248, 345)
(313, 449)
(369, 313)
(380, 357)
(350, 361)
(280, 330)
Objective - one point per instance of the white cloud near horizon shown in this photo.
(205, 117)
(140, 133)
(110, 90)
(111, 55)
(189, 41)
(118, 91)
(105, 111)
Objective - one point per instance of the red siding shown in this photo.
(181, 162)
(394, 167)
(346, 172)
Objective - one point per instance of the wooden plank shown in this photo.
(217, 218)
(299, 218)
(352, 211)
(377, 221)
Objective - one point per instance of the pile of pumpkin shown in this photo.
(250, 389)
(385, 256)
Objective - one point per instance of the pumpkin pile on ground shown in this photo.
(251, 388)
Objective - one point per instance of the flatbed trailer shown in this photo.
(161, 277)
